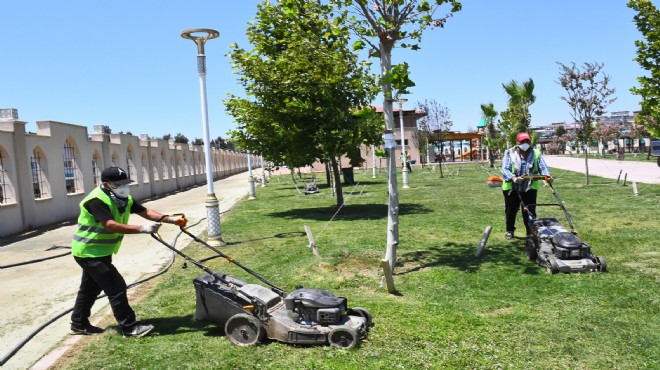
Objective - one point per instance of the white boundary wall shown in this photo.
(159, 167)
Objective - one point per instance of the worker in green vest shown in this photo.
(521, 160)
(102, 223)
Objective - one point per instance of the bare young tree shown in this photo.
(587, 94)
(432, 127)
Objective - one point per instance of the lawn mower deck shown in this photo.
(250, 312)
(553, 246)
(559, 250)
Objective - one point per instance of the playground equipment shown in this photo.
(468, 153)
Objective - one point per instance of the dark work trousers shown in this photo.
(99, 274)
(512, 203)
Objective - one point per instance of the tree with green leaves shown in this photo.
(306, 89)
(181, 139)
(647, 21)
(489, 113)
(516, 118)
(380, 25)
(587, 94)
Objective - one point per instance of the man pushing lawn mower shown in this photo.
(519, 162)
(102, 223)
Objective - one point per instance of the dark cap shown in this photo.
(115, 175)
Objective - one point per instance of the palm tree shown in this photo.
(490, 113)
(521, 96)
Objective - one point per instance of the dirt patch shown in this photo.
(499, 312)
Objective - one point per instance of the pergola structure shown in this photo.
(451, 137)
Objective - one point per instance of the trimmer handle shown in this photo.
(536, 177)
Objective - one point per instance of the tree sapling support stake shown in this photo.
(484, 240)
(310, 237)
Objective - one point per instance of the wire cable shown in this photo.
(41, 327)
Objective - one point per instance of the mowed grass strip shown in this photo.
(453, 310)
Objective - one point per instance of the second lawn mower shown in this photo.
(553, 246)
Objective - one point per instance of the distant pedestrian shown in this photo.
(405, 162)
(521, 160)
(102, 223)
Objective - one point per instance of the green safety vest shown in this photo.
(91, 239)
(507, 185)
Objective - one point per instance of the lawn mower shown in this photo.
(311, 187)
(552, 246)
(250, 312)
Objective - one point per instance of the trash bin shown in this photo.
(349, 179)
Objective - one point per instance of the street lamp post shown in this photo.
(404, 159)
(263, 172)
(251, 190)
(212, 207)
(373, 161)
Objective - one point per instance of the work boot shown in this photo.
(136, 330)
(85, 330)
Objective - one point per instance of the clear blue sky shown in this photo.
(123, 63)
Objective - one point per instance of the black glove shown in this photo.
(517, 180)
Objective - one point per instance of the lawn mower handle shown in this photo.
(222, 277)
(554, 193)
(276, 289)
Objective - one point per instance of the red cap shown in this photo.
(523, 136)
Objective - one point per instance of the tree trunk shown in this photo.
(340, 193)
(293, 174)
(491, 157)
(586, 166)
(327, 174)
(392, 187)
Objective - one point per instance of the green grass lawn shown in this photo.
(453, 311)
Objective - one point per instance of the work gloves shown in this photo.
(178, 219)
(150, 228)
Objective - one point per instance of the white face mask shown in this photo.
(524, 147)
(122, 191)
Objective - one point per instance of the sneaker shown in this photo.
(508, 235)
(136, 331)
(85, 330)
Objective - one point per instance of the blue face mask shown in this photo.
(524, 147)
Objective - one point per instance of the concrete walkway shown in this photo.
(32, 294)
(643, 172)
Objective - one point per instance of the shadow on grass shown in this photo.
(461, 256)
(290, 234)
(351, 212)
(174, 325)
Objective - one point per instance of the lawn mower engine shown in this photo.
(559, 250)
(249, 312)
(315, 306)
